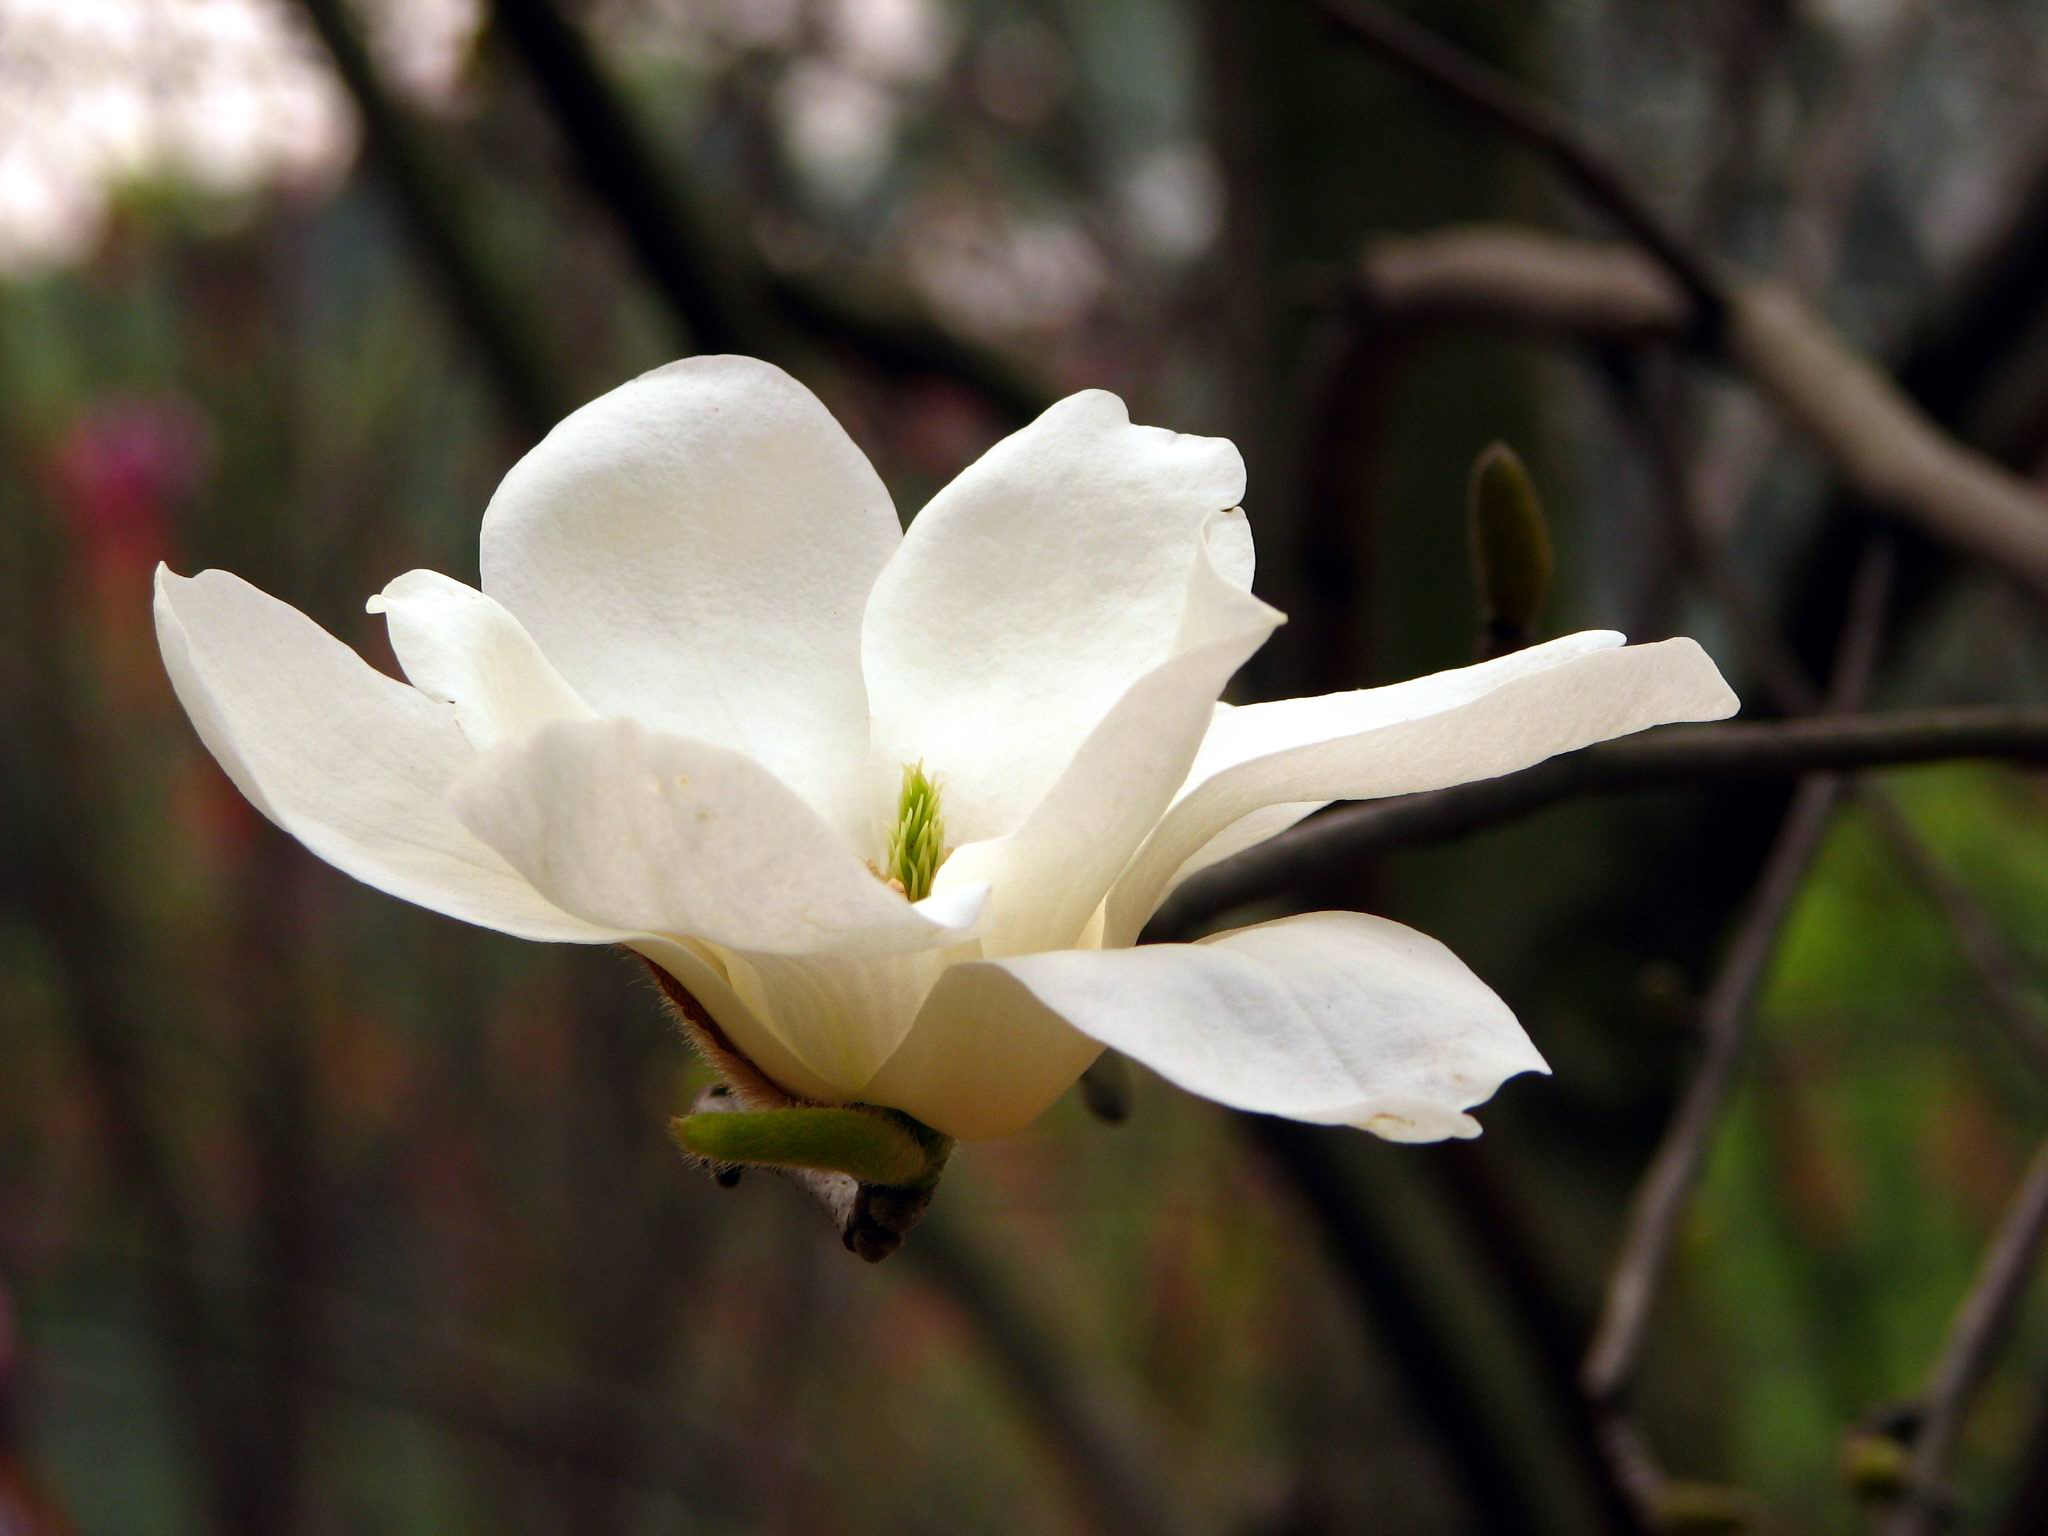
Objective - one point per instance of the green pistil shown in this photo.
(917, 846)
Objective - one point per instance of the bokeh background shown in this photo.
(320, 1214)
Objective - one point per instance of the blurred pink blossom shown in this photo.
(120, 469)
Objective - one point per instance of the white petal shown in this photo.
(1472, 723)
(984, 1059)
(1030, 595)
(634, 829)
(352, 763)
(460, 647)
(841, 1015)
(695, 550)
(705, 974)
(1048, 878)
(1334, 1017)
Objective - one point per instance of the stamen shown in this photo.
(917, 845)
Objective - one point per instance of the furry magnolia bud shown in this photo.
(1512, 563)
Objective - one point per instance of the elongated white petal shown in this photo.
(1030, 595)
(984, 1059)
(352, 763)
(695, 550)
(1048, 877)
(1471, 723)
(635, 829)
(1334, 1017)
(460, 647)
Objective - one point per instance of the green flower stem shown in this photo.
(874, 1146)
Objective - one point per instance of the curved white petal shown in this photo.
(1030, 595)
(352, 763)
(842, 1015)
(634, 829)
(1048, 877)
(460, 647)
(984, 1059)
(1472, 723)
(705, 973)
(695, 550)
(1334, 1017)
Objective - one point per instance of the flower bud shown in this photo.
(1511, 558)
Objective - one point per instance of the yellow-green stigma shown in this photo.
(917, 845)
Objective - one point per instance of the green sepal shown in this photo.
(1512, 563)
(875, 1147)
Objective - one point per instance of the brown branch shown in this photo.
(1885, 447)
(2001, 976)
(1882, 445)
(1980, 1326)
(1675, 757)
(1645, 1253)
(719, 298)
(434, 216)
(1393, 1294)
(1526, 117)
(619, 164)
(1653, 1224)
(1083, 1412)
(1829, 164)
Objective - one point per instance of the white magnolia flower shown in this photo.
(678, 717)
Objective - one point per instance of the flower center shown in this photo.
(917, 843)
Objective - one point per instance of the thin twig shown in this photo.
(1529, 119)
(1393, 1296)
(434, 215)
(2011, 996)
(1980, 1327)
(1885, 448)
(1675, 757)
(1652, 1230)
(619, 164)
(1083, 1414)
(722, 300)
(1829, 164)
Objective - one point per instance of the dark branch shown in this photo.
(1644, 1257)
(723, 302)
(434, 216)
(1980, 1328)
(1526, 117)
(1697, 757)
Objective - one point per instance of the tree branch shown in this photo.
(1086, 1420)
(1676, 756)
(1527, 118)
(724, 305)
(434, 216)
(620, 166)
(1645, 1253)
(1883, 446)
(1980, 1327)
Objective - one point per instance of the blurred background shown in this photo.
(320, 1214)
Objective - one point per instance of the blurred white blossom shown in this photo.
(225, 96)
